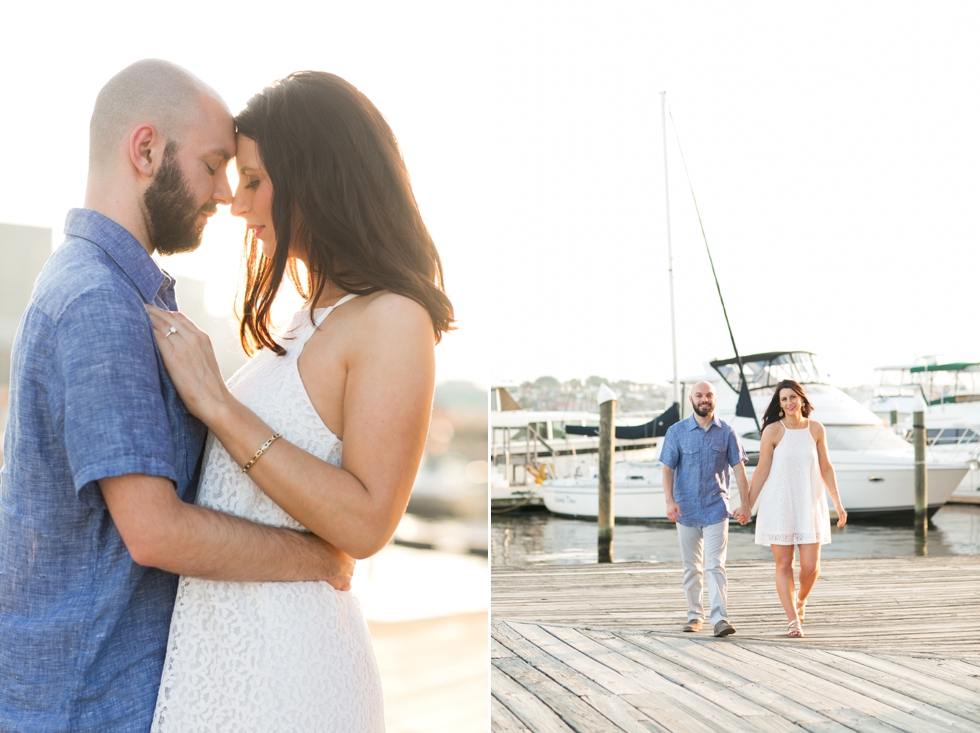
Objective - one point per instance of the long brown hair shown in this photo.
(774, 411)
(341, 194)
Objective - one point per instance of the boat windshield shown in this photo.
(889, 377)
(945, 383)
(947, 436)
(765, 371)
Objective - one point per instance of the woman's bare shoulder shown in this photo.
(773, 429)
(816, 428)
(392, 313)
(773, 432)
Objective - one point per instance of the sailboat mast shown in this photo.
(670, 256)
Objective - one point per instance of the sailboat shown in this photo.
(875, 468)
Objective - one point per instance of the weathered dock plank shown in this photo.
(912, 605)
(893, 644)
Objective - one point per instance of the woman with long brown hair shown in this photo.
(323, 430)
(793, 473)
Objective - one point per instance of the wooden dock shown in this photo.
(893, 644)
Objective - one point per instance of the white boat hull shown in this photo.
(866, 490)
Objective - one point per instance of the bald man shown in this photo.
(102, 458)
(699, 454)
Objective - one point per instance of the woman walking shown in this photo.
(794, 470)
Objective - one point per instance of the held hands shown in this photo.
(673, 511)
(741, 516)
(189, 358)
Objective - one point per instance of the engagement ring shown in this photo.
(171, 332)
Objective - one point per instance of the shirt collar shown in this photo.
(715, 420)
(122, 247)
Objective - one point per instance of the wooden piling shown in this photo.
(921, 475)
(607, 436)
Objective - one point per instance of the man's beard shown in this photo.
(170, 208)
(707, 412)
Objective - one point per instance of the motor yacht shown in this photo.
(951, 392)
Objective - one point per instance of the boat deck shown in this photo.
(893, 644)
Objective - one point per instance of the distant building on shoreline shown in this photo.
(548, 393)
(23, 252)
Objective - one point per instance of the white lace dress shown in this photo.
(792, 508)
(266, 657)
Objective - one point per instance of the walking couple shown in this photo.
(699, 455)
(306, 458)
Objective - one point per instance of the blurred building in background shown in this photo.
(23, 252)
(548, 393)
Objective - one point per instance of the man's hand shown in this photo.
(342, 568)
(741, 516)
(673, 511)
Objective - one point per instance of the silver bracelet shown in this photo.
(260, 451)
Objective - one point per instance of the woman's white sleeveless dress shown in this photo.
(266, 657)
(793, 509)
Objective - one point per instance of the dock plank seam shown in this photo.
(602, 643)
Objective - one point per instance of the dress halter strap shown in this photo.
(321, 313)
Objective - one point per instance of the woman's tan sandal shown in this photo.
(795, 629)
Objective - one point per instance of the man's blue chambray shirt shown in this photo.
(83, 629)
(702, 461)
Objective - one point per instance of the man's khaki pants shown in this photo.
(703, 551)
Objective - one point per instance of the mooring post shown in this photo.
(921, 476)
(607, 437)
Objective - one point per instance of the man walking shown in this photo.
(699, 454)
(102, 458)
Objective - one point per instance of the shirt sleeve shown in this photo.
(736, 453)
(668, 451)
(112, 415)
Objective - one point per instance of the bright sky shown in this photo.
(835, 153)
(834, 149)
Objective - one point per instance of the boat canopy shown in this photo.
(765, 371)
(940, 384)
(656, 428)
(956, 366)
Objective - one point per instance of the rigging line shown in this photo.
(714, 274)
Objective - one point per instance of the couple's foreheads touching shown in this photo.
(160, 144)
